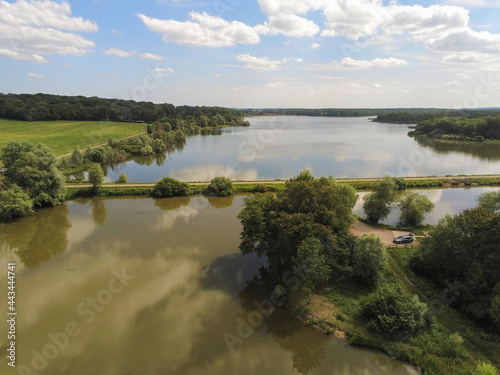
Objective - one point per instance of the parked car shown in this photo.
(403, 239)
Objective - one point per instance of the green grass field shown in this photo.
(64, 136)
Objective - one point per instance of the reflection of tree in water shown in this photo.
(211, 131)
(160, 158)
(306, 354)
(39, 237)
(481, 150)
(99, 212)
(173, 203)
(221, 202)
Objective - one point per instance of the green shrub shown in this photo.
(393, 312)
(170, 187)
(220, 187)
(485, 369)
(14, 202)
(122, 179)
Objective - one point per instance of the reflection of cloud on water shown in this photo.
(167, 219)
(206, 173)
(80, 230)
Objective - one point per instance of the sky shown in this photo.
(256, 53)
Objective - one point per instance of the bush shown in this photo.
(368, 259)
(122, 179)
(170, 187)
(220, 187)
(485, 369)
(393, 312)
(14, 202)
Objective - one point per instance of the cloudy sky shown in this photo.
(256, 53)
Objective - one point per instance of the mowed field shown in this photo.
(64, 136)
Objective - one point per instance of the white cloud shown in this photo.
(468, 58)
(31, 30)
(284, 17)
(391, 62)
(288, 25)
(274, 85)
(163, 72)
(475, 3)
(43, 13)
(426, 24)
(353, 18)
(150, 56)
(315, 46)
(467, 40)
(118, 52)
(265, 64)
(277, 7)
(11, 54)
(34, 75)
(453, 83)
(203, 30)
(260, 64)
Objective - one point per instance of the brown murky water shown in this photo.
(143, 286)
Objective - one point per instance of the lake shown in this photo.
(144, 286)
(281, 147)
(158, 286)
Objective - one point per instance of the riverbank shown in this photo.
(454, 344)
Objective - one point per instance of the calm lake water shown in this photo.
(143, 286)
(447, 201)
(280, 147)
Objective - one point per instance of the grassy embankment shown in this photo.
(336, 309)
(137, 189)
(64, 136)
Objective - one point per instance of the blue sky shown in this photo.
(256, 53)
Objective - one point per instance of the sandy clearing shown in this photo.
(386, 235)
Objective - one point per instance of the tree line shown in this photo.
(460, 128)
(46, 107)
(416, 116)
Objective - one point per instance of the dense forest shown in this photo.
(416, 116)
(390, 115)
(45, 107)
(460, 128)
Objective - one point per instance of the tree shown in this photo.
(310, 264)
(490, 200)
(392, 312)
(96, 177)
(14, 202)
(122, 179)
(76, 157)
(219, 186)
(413, 207)
(34, 169)
(276, 224)
(378, 204)
(464, 247)
(170, 187)
(495, 306)
(368, 259)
